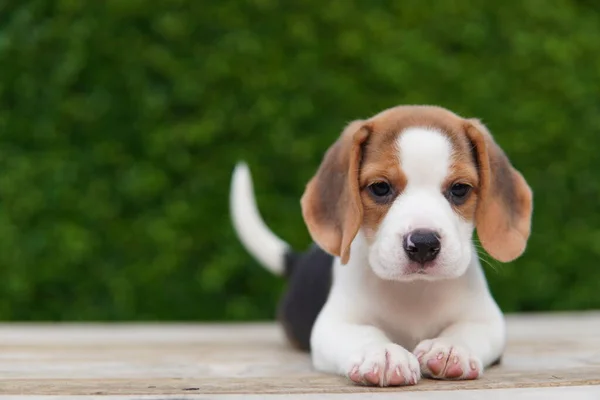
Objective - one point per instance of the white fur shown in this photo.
(381, 313)
(258, 239)
(425, 158)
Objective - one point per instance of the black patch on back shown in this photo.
(309, 281)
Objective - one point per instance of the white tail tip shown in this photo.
(258, 239)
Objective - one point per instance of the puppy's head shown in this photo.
(416, 181)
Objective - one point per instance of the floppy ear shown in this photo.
(331, 204)
(504, 208)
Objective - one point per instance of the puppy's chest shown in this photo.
(412, 315)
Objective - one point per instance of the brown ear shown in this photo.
(331, 204)
(504, 208)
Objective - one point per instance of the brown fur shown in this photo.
(504, 211)
(464, 170)
(331, 204)
(336, 202)
(380, 163)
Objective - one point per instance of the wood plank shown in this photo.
(544, 351)
(555, 393)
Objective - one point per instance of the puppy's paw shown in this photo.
(439, 359)
(384, 365)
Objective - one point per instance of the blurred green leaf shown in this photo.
(120, 124)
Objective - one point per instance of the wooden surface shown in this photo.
(552, 356)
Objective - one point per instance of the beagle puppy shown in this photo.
(393, 290)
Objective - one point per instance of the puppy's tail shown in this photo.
(272, 252)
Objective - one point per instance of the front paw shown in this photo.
(384, 365)
(442, 360)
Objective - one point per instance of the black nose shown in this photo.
(422, 245)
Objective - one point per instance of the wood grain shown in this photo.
(544, 351)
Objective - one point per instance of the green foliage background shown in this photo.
(120, 123)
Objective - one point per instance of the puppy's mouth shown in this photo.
(427, 268)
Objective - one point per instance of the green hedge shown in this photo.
(120, 123)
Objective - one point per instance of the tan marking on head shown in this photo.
(337, 203)
(380, 163)
(381, 157)
(463, 170)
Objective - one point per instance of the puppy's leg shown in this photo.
(363, 353)
(463, 349)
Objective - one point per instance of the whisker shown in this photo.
(484, 258)
(489, 264)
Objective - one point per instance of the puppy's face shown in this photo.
(418, 189)
(416, 181)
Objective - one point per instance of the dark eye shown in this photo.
(459, 192)
(380, 189)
